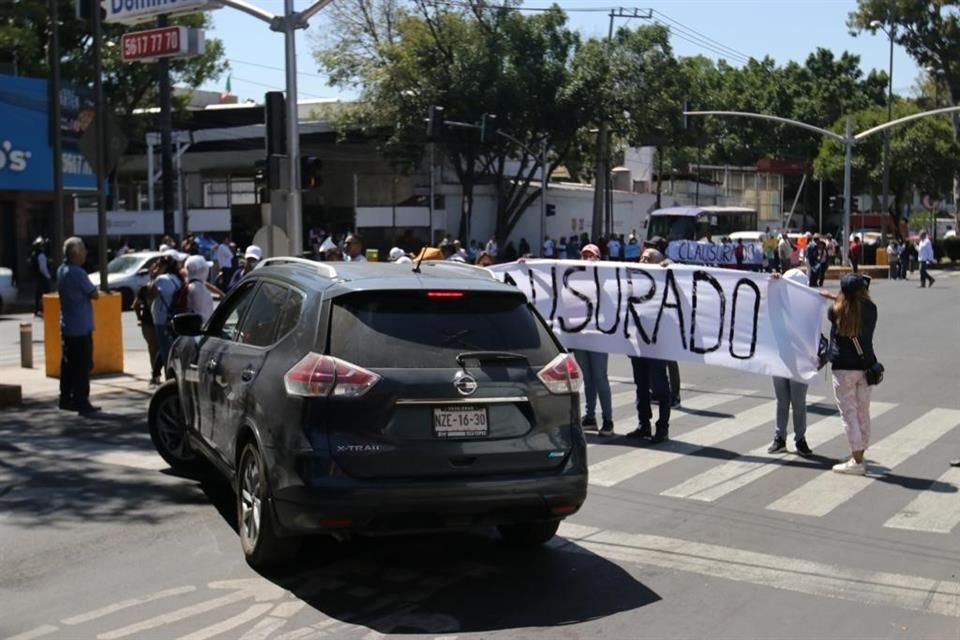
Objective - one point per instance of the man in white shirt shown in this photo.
(613, 248)
(225, 259)
(926, 257)
(353, 247)
(547, 247)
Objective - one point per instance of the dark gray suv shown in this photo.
(376, 398)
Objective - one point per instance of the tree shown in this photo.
(471, 58)
(923, 155)
(25, 31)
(930, 32)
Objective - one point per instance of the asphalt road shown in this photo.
(706, 537)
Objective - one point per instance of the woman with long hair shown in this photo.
(853, 319)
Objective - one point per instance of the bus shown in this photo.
(700, 223)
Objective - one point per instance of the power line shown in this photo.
(734, 52)
(273, 68)
(273, 87)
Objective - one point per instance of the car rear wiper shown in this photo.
(488, 356)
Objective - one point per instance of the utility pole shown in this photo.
(101, 130)
(891, 31)
(602, 177)
(166, 139)
(56, 132)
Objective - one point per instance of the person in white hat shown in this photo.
(399, 256)
(251, 257)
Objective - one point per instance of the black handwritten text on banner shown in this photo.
(723, 317)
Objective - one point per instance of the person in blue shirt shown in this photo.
(165, 286)
(76, 329)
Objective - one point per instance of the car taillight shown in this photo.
(444, 294)
(325, 376)
(562, 375)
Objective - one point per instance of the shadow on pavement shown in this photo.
(458, 582)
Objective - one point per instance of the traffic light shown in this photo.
(84, 9)
(260, 180)
(435, 123)
(310, 177)
(551, 210)
(855, 204)
(488, 128)
(275, 118)
(834, 203)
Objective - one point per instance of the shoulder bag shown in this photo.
(873, 370)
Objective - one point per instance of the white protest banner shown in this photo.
(737, 319)
(689, 251)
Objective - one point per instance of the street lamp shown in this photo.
(891, 34)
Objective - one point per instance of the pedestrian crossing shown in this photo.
(707, 433)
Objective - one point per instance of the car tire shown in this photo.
(261, 545)
(126, 299)
(529, 534)
(168, 429)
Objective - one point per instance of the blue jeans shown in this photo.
(164, 342)
(791, 393)
(649, 373)
(595, 382)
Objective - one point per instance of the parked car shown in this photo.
(127, 273)
(8, 292)
(373, 398)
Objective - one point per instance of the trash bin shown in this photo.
(107, 334)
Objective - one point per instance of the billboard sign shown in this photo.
(133, 11)
(26, 156)
(165, 42)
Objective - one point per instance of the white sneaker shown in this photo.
(851, 467)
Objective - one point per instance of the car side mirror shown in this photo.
(188, 324)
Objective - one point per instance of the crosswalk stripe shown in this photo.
(741, 471)
(623, 467)
(935, 510)
(788, 573)
(828, 491)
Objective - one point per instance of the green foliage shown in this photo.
(24, 33)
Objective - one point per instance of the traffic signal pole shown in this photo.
(847, 140)
(288, 24)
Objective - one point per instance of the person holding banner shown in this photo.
(650, 375)
(791, 393)
(853, 317)
(594, 367)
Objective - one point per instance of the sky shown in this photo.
(783, 29)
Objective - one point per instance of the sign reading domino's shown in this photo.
(26, 156)
(132, 11)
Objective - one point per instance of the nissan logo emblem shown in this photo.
(465, 384)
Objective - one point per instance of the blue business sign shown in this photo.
(26, 155)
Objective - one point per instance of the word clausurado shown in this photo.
(725, 317)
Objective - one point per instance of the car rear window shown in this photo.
(411, 329)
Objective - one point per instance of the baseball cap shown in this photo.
(853, 282)
(253, 251)
(396, 253)
(590, 248)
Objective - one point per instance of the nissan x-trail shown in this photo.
(368, 398)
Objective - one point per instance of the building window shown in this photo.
(221, 194)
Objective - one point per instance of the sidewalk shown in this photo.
(36, 387)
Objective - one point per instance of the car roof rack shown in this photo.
(475, 269)
(328, 270)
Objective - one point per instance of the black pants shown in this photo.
(76, 361)
(651, 374)
(673, 371)
(42, 286)
(924, 276)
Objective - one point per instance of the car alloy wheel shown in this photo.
(250, 501)
(168, 428)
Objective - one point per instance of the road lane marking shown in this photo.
(934, 511)
(41, 631)
(726, 478)
(628, 465)
(256, 588)
(914, 593)
(252, 613)
(829, 490)
(126, 604)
